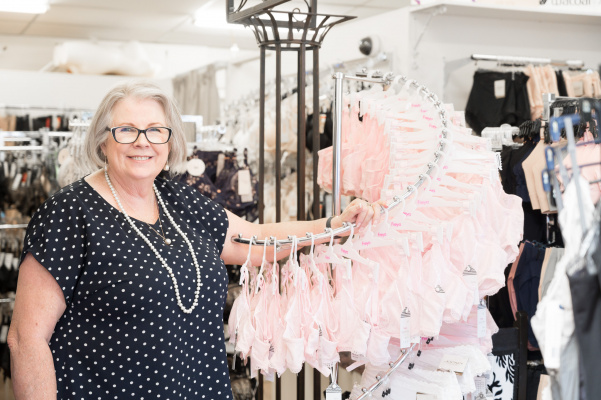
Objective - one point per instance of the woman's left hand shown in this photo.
(360, 212)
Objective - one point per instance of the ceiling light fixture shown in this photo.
(212, 17)
(24, 6)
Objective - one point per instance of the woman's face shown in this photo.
(141, 159)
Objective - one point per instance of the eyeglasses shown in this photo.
(129, 134)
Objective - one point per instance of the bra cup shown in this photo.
(246, 335)
(360, 340)
(432, 310)
(278, 359)
(377, 348)
(260, 355)
(312, 343)
(328, 353)
(295, 350)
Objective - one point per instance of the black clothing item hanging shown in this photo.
(489, 107)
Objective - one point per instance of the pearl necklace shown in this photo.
(156, 252)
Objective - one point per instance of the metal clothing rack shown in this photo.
(516, 60)
(13, 226)
(337, 133)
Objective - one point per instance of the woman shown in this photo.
(122, 282)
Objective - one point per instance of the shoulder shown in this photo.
(64, 198)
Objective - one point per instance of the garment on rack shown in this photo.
(586, 84)
(488, 106)
(220, 181)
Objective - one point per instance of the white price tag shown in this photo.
(471, 278)
(16, 181)
(196, 167)
(333, 392)
(3, 333)
(481, 321)
(13, 170)
(553, 326)
(8, 259)
(244, 184)
(322, 123)
(405, 334)
(16, 263)
(500, 89)
(454, 363)
(480, 393)
(220, 163)
(578, 87)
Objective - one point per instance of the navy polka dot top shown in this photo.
(123, 334)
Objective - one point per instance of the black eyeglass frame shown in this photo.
(112, 130)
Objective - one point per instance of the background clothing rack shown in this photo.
(12, 226)
(516, 60)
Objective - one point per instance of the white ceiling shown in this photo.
(156, 21)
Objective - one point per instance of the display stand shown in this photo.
(300, 32)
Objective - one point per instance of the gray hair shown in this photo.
(139, 89)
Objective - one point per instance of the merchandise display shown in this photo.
(280, 212)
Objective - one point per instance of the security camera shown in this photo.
(369, 45)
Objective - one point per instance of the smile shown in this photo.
(140, 158)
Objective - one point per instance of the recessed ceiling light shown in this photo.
(24, 6)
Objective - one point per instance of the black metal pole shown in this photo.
(278, 132)
(316, 142)
(301, 132)
(262, 140)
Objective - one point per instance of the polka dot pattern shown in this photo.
(122, 334)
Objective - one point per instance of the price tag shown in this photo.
(13, 170)
(196, 167)
(454, 363)
(471, 278)
(405, 335)
(322, 123)
(220, 163)
(481, 320)
(244, 184)
(63, 154)
(578, 87)
(480, 383)
(8, 259)
(16, 181)
(553, 324)
(3, 333)
(15, 263)
(500, 89)
(333, 392)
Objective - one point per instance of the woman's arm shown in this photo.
(39, 304)
(358, 211)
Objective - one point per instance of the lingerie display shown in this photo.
(434, 258)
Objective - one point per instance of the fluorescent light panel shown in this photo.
(24, 6)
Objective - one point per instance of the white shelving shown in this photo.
(567, 14)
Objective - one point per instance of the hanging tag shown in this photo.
(553, 324)
(333, 392)
(3, 333)
(405, 328)
(244, 184)
(578, 87)
(16, 263)
(8, 259)
(481, 320)
(16, 181)
(196, 167)
(424, 396)
(453, 363)
(500, 89)
(220, 163)
(471, 278)
(322, 123)
(480, 393)
(13, 170)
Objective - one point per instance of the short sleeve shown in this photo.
(56, 238)
(210, 214)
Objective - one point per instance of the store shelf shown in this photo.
(580, 15)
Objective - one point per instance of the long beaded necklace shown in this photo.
(156, 252)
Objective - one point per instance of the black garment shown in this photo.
(500, 306)
(123, 334)
(483, 109)
(586, 303)
(519, 176)
(561, 84)
(526, 282)
(325, 138)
